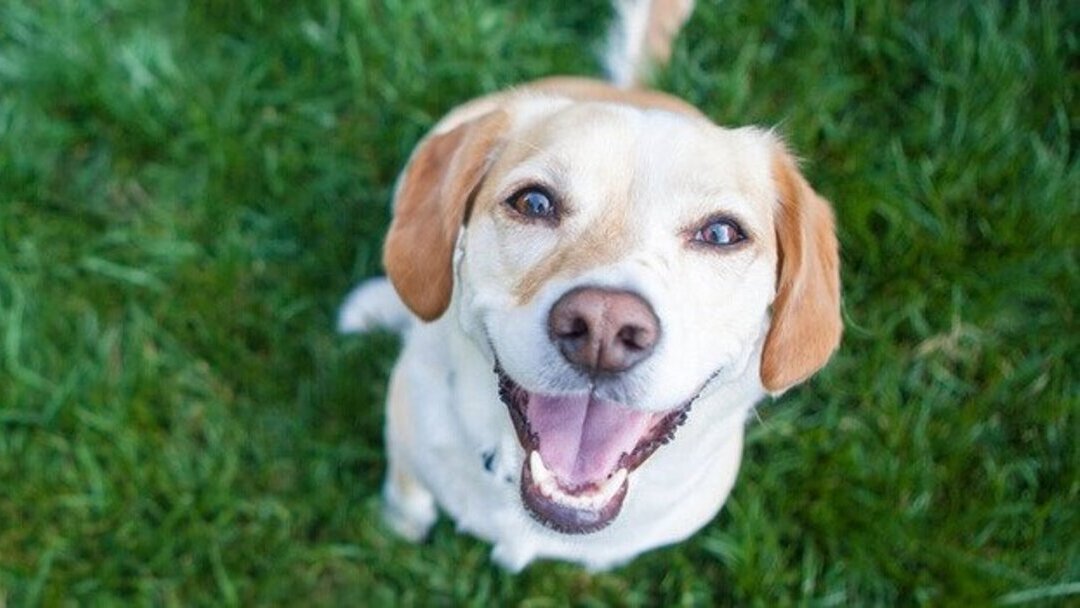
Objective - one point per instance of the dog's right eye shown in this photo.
(533, 203)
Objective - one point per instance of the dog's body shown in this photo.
(602, 271)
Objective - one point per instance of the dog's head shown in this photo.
(614, 261)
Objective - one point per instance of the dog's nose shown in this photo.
(602, 330)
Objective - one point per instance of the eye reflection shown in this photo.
(720, 233)
(533, 203)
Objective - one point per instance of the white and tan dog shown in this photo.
(608, 283)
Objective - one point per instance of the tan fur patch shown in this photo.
(431, 205)
(582, 89)
(806, 324)
(603, 242)
(666, 18)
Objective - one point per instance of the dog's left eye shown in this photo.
(533, 203)
(720, 233)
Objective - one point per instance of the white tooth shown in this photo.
(609, 489)
(540, 473)
(593, 501)
(548, 485)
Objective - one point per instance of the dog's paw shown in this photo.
(410, 513)
(373, 305)
(512, 557)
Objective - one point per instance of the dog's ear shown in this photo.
(432, 202)
(806, 325)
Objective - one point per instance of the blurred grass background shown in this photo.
(187, 189)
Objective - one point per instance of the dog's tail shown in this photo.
(641, 37)
(373, 305)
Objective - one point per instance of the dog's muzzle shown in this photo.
(580, 448)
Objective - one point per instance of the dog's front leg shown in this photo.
(408, 507)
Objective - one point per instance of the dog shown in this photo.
(596, 284)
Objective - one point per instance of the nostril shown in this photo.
(579, 328)
(600, 330)
(631, 337)
(568, 327)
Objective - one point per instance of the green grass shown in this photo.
(188, 189)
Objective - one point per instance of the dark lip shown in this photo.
(559, 517)
(562, 518)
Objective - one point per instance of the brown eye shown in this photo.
(720, 233)
(533, 203)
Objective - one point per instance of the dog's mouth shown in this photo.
(579, 452)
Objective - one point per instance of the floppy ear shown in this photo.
(806, 326)
(431, 203)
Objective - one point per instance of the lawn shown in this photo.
(187, 190)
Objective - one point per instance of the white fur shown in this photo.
(626, 43)
(628, 57)
(635, 185)
(450, 437)
(373, 305)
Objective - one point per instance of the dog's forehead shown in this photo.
(633, 184)
(657, 160)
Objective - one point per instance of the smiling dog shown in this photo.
(607, 283)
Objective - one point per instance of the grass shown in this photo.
(188, 189)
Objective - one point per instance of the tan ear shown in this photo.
(432, 202)
(806, 326)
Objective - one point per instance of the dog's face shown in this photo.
(616, 263)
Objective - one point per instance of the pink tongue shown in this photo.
(581, 438)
